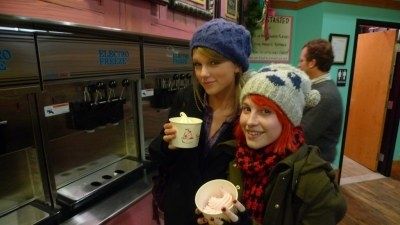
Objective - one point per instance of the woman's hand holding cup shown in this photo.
(169, 135)
(240, 218)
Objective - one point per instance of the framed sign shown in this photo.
(231, 9)
(277, 48)
(339, 44)
(201, 8)
(341, 77)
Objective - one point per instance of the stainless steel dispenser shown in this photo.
(89, 114)
(24, 193)
(167, 68)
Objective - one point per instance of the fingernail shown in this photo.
(223, 209)
(239, 206)
(201, 221)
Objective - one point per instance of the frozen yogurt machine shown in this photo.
(24, 188)
(77, 112)
(88, 112)
(167, 68)
(69, 122)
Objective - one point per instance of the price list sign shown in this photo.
(277, 47)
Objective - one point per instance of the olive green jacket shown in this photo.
(302, 190)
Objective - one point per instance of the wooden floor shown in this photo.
(372, 199)
(352, 172)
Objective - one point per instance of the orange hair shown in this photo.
(291, 137)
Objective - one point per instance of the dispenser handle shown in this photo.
(100, 88)
(125, 84)
(88, 91)
(111, 89)
(112, 84)
(100, 85)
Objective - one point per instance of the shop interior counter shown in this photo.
(113, 205)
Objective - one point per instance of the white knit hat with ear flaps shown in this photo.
(287, 86)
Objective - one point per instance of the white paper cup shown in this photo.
(187, 134)
(213, 189)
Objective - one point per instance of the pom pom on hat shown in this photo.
(227, 38)
(313, 98)
(287, 86)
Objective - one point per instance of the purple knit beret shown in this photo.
(227, 38)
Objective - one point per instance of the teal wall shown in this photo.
(340, 18)
(320, 20)
(396, 155)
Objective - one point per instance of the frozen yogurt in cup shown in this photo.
(187, 131)
(212, 196)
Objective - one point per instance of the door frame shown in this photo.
(389, 142)
(387, 163)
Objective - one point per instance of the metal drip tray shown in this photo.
(26, 215)
(86, 186)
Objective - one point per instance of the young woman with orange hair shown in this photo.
(281, 179)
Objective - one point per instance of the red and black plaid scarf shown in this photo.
(255, 166)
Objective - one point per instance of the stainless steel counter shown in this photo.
(89, 184)
(114, 204)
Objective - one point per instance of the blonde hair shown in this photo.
(198, 89)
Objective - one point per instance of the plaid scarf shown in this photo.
(255, 166)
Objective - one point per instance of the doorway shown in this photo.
(368, 147)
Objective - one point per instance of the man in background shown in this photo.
(322, 124)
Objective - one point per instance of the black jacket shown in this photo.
(188, 169)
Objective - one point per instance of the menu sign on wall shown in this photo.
(277, 47)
